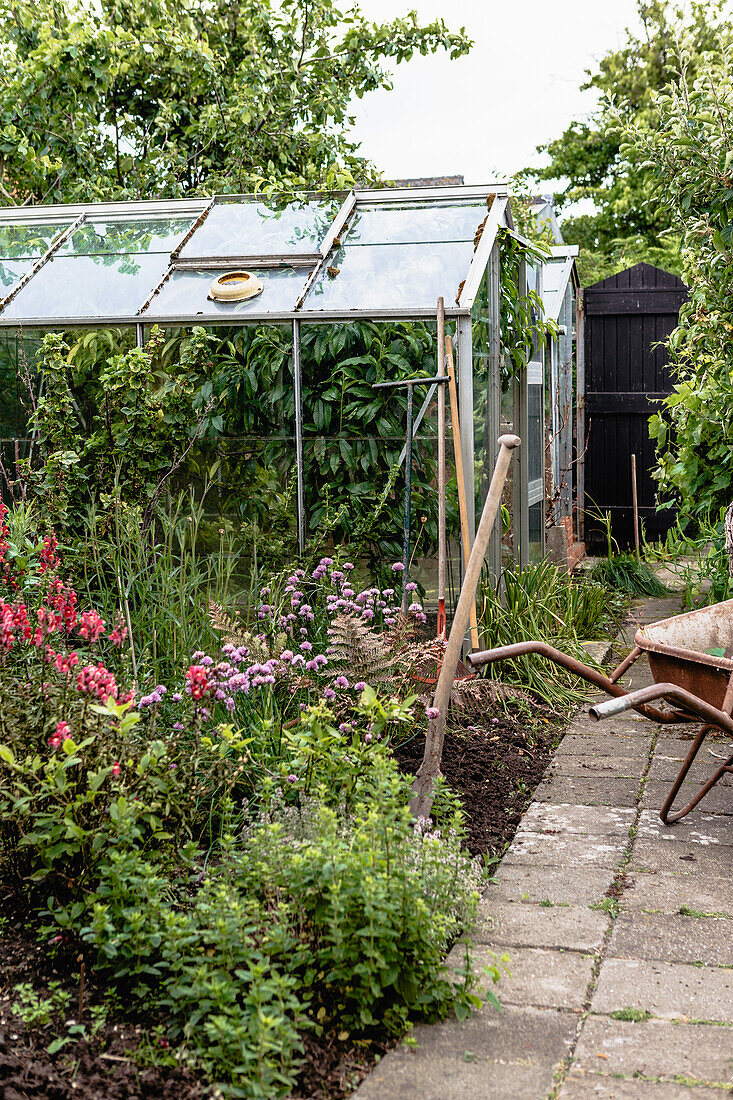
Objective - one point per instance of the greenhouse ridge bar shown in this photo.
(377, 255)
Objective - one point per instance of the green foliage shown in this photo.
(593, 161)
(690, 158)
(331, 910)
(624, 573)
(142, 422)
(128, 99)
(541, 603)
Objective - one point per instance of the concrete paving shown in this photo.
(618, 929)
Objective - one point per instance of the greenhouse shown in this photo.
(382, 257)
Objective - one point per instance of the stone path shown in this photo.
(619, 932)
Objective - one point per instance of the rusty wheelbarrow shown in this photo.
(691, 659)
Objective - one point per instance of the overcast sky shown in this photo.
(483, 115)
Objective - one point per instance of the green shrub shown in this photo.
(542, 603)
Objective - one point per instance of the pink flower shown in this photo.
(115, 769)
(359, 686)
(398, 567)
(92, 626)
(197, 682)
(432, 713)
(97, 680)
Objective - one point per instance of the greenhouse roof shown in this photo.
(388, 253)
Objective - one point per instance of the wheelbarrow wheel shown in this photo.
(670, 816)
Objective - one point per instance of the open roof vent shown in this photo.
(235, 286)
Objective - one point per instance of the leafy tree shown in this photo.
(143, 98)
(690, 160)
(629, 222)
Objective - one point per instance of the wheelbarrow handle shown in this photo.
(592, 675)
(639, 700)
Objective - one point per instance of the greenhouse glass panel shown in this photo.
(382, 277)
(28, 241)
(258, 228)
(185, 293)
(11, 272)
(113, 236)
(88, 286)
(536, 517)
(21, 246)
(415, 223)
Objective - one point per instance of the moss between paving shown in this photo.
(586, 903)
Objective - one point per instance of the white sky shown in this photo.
(483, 115)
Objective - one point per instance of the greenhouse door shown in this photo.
(626, 369)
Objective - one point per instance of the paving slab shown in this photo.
(665, 767)
(573, 820)
(670, 893)
(538, 977)
(697, 828)
(589, 742)
(589, 792)
(682, 858)
(600, 767)
(717, 801)
(673, 938)
(569, 885)
(656, 1048)
(581, 1086)
(555, 850)
(490, 1056)
(524, 924)
(668, 990)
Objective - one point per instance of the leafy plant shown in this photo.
(541, 603)
(689, 157)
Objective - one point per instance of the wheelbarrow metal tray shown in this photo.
(676, 649)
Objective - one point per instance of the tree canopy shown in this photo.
(591, 160)
(130, 99)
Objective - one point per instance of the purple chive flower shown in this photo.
(206, 661)
(321, 661)
(176, 697)
(264, 592)
(368, 737)
(286, 655)
(342, 682)
(326, 561)
(298, 660)
(329, 694)
(178, 726)
(311, 666)
(292, 778)
(411, 586)
(432, 713)
(398, 567)
(306, 646)
(360, 686)
(348, 565)
(367, 613)
(345, 727)
(388, 593)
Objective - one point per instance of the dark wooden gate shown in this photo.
(626, 317)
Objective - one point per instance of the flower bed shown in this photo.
(230, 856)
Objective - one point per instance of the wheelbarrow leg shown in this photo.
(669, 816)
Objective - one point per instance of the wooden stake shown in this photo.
(465, 536)
(635, 498)
(442, 549)
(422, 798)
